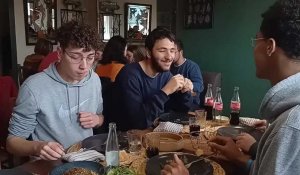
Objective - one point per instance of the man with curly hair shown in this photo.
(277, 59)
(59, 106)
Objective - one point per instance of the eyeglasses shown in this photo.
(253, 40)
(76, 58)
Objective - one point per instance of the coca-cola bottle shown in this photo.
(235, 107)
(218, 105)
(209, 102)
(112, 147)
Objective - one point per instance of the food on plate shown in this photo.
(80, 171)
(123, 156)
(120, 171)
(199, 152)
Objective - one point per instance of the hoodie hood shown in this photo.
(281, 97)
(51, 71)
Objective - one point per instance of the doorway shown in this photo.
(8, 59)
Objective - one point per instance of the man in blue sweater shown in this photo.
(144, 88)
(190, 70)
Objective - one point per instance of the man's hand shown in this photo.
(227, 147)
(261, 124)
(188, 86)
(174, 84)
(50, 150)
(175, 168)
(245, 141)
(90, 120)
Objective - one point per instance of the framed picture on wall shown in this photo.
(137, 21)
(40, 17)
(198, 14)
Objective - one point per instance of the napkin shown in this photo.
(168, 127)
(84, 155)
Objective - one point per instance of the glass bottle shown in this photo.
(235, 106)
(218, 105)
(209, 102)
(112, 146)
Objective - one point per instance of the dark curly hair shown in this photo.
(158, 34)
(114, 51)
(282, 22)
(43, 47)
(78, 35)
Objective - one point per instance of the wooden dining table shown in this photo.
(43, 167)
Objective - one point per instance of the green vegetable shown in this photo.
(120, 171)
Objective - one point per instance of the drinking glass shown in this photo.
(134, 141)
(152, 144)
(194, 125)
(201, 115)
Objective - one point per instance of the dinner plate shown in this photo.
(233, 131)
(156, 163)
(98, 142)
(93, 166)
(180, 118)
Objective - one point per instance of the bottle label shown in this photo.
(218, 106)
(112, 158)
(234, 105)
(209, 101)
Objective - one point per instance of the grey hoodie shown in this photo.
(279, 148)
(47, 107)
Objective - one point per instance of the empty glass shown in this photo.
(201, 116)
(134, 141)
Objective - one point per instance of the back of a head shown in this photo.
(140, 54)
(282, 22)
(158, 34)
(43, 47)
(78, 36)
(179, 44)
(114, 50)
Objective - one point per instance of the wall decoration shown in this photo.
(40, 18)
(137, 21)
(198, 14)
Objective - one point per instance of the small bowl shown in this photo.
(169, 141)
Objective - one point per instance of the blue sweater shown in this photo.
(140, 98)
(191, 70)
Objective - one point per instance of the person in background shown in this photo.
(31, 64)
(190, 70)
(277, 59)
(59, 106)
(113, 58)
(144, 88)
(136, 53)
(50, 58)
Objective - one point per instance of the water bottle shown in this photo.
(235, 106)
(209, 102)
(218, 105)
(112, 146)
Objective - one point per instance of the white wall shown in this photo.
(23, 50)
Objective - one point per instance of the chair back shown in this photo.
(214, 78)
(8, 94)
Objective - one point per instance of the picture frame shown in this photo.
(198, 14)
(40, 17)
(137, 21)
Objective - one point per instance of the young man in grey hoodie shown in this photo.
(59, 106)
(277, 59)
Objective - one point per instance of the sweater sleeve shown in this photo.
(282, 156)
(23, 121)
(196, 77)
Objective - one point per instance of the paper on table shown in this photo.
(168, 127)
